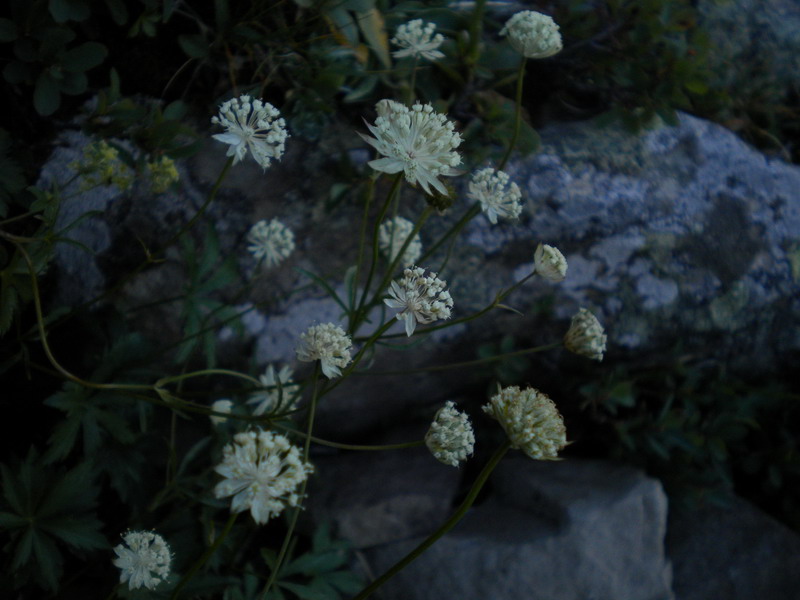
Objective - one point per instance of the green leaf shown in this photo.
(69, 10)
(74, 84)
(12, 491)
(84, 57)
(46, 97)
(8, 30)
(195, 46)
(119, 13)
(373, 28)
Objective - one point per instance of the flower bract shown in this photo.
(392, 234)
(417, 141)
(270, 242)
(143, 559)
(421, 298)
(221, 406)
(263, 472)
(417, 40)
(450, 438)
(550, 263)
(586, 336)
(279, 393)
(533, 34)
(499, 197)
(327, 343)
(251, 125)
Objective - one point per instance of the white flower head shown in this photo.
(531, 421)
(533, 34)
(392, 234)
(421, 298)
(143, 559)
(499, 197)
(263, 472)
(417, 40)
(279, 394)
(586, 336)
(220, 406)
(417, 140)
(450, 438)
(327, 343)
(271, 242)
(251, 125)
(550, 263)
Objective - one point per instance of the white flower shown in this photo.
(417, 141)
(420, 298)
(393, 233)
(533, 34)
(586, 336)
(531, 421)
(262, 472)
(327, 343)
(450, 438)
(279, 393)
(550, 263)
(270, 241)
(416, 40)
(145, 560)
(498, 196)
(221, 406)
(251, 125)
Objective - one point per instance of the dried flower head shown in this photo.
(531, 421)
(327, 343)
(251, 125)
(144, 561)
(450, 438)
(392, 234)
(533, 34)
(163, 174)
(417, 141)
(221, 406)
(271, 242)
(416, 40)
(586, 336)
(550, 263)
(101, 165)
(262, 472)
(421, 298)
(279, 393)
(499, 197)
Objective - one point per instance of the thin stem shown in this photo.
(444, 528)
(206, 555)
(362, 238)
(357, 447)
(517, 115)
(178, 378)
(413, 83)
(454, 229)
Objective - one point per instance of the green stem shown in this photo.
(517, 115)
(444, 528)
(357, 447)
(457, 227)
(413, 83)
(178, 378)
(362, 238)
(206, 555)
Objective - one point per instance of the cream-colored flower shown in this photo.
(271, 242)
(101, 165)
(416, 40)
(251, 125)
(586, 336)
(450, 438)
(499, 197)
(220, 406)
(144, 559)
(263, 472)
(531, 421)
(533, 34)
(279, 393)
(327, 343)
(417, 141)
(392, 234)
(421, 298)
(550, 263)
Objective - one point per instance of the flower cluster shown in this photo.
(392, 234)
(271, 242)
(144, 561)
(421, 298)
(450, 438)
(417, 141)
(251, 125)
(550, 263)
(279, 393)
(533, 34)
(163, 174)
(416, 40)
(586, 336)
(499, 197)
(101, 165)
(223, 405)
(531, 421)
(263, 472)
(327, 343)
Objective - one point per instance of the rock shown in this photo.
(549, 531)
(735, 553)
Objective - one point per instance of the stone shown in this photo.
(576, 529)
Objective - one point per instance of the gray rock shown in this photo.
(549, 531)
(735, 553)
